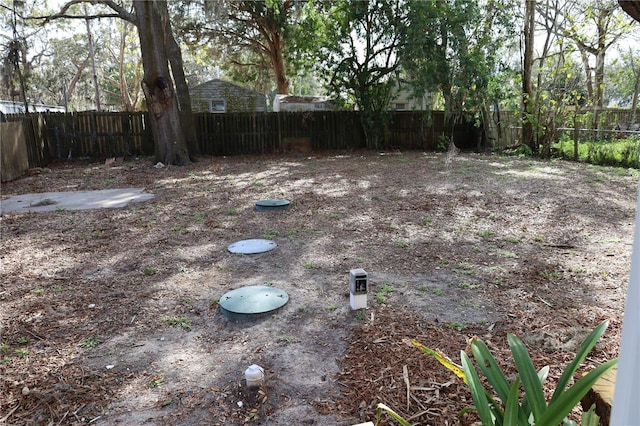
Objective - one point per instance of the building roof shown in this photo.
(299, 99)
(632, 7)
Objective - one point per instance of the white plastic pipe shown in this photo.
(626, 396)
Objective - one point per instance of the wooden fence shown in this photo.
(505, 127)
(109, 134)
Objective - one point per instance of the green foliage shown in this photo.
(381, 295)
(90, 342)
(359, 55)
(617, 152)
(173, 321)
(457, 50)
(509, 408)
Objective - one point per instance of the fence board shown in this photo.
(109, 134)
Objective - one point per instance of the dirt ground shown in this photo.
(110, 316)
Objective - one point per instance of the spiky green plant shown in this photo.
(531, 409)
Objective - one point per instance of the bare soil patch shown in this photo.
(110, 317)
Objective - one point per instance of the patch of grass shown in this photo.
(23, 340)
(467, 285)
(427, 221)
(214, 301)
(178, 228)
(465, 268)
(200, 216)
(434, 290)
(5, 360)
(486, 233)
(156, 382)
(22, 352)
(149, 271)
(332, 308)
(232, 211)
(359, 315)
(288, 339)
(381, 295)
(401, 244)
(310, 265)
(507, 254)
(457, 326)
(177, 321)
(269, 234)
(513, 240)
(553, 275)
(39, 291)
(615, 152)
(90, 342)
(148, 224)
(291, 233)
(4, 347)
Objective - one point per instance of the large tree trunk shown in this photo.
(527, 68)
(152, 19)
(184, 98)
(277, 61)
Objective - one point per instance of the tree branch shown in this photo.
(120, 12)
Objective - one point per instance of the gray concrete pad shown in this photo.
(74, 200)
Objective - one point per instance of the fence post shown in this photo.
(576, 139)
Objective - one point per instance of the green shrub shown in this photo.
(521, 401)
(509, 407)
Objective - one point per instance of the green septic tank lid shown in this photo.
(251, 246)
(263, 205)
(248, 302)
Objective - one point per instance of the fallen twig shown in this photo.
(4, 419)
(405, 376)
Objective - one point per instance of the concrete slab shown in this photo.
(75, 200)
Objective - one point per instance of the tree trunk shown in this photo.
(184, 99)
(152, 19)
(527, 68)
(277, 62)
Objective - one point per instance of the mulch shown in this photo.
(381, 366)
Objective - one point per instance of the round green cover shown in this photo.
(253, 300)
(272, 204)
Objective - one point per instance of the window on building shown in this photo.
(401, 106)
(217, 106)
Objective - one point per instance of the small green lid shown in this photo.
(263, 205)
(253, 300)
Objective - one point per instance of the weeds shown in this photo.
(90, 342)
(401, 244)
(288, 339)
(310, 265)
(156, 382)
(177, 322)
(381, 295)
(149, 271)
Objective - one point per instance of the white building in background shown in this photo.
(12, 107)
(295, 103)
